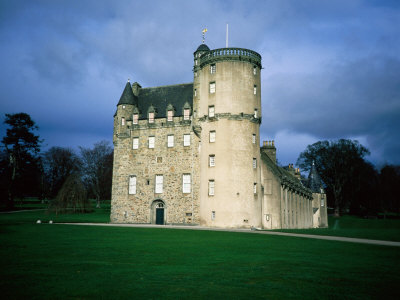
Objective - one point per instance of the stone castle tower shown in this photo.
(190, 153)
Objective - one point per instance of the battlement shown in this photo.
(224, 54)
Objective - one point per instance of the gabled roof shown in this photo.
(160, 97)
(284, 176)
(127, 96)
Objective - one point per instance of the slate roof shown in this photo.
(285, 176)
(203, 47)
(127, 96)
(160, 97)
(314, 181)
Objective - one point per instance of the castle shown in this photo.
(190, 153)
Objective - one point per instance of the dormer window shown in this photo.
(186, 114)
(170, 115)
(151, 117)
(135, 119)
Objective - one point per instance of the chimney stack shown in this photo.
(268, 148)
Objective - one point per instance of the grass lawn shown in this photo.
(64, 261)
(351, 226)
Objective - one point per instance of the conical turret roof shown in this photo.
(314, 181)
(202, 47)
(127, 96)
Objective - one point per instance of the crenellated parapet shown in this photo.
(224, 54)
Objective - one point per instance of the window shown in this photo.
(254, 70)
(254, 138)
(213, 69)
(170, 140)
(195, 62)
(132, 185)
(135, 143)
(254, 163)
(152, 141)
(151, 117)
(186, 140)
(195, 92)
(186, 114)
(211, 111)
(212, 136)
(159, 184)
(211, 187)
(186, 183)
(170, 115)
(213, 215)
(255, 188)
(255, 113)
(211, 160)
(322, 202)
(135, 118)
(255, 90)
(212, 87)
(122, 121)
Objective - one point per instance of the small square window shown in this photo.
(151, 117)
(212, 136)
(213, 215)
(186, 140)
(212, 87)
(170, 141)
(159, 159)
(152, 141)
(213, 69)
(135, 143)
(211, 160)
(211, 111)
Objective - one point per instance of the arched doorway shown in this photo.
(158, 212)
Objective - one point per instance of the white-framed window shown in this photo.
(211, 187)
(255, 188)
(212, 87)
(211, 160)
(186, 183)
(213, 69)
(213, 215)
(170, 140)
(159, 184)
(254, 70)
(152, 141)
(151, 117)
(253, 139)
(212, 136)
(255, 113)
(186, 114)
(132, 185)
(211, 111)
(122, 121)
(186, 140)
(254, 163)
(135, 143)
(195, 92)
(255, 90)
(135, 119)
(170, 115)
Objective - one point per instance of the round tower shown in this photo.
(227, 100)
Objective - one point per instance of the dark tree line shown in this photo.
(352, 184)
(54, 175)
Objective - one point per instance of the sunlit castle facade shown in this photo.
(189, 153)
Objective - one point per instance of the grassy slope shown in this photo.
(63, 261)
(350, 226)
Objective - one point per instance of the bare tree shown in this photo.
(97, 168)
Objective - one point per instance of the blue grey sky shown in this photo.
(331, 68)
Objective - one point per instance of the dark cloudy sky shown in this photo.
(331, 68)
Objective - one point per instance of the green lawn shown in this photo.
(351, 226)
(78, 262)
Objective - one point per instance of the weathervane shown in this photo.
(204, 33)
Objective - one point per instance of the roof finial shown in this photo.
(128, 80)
(204, 33)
